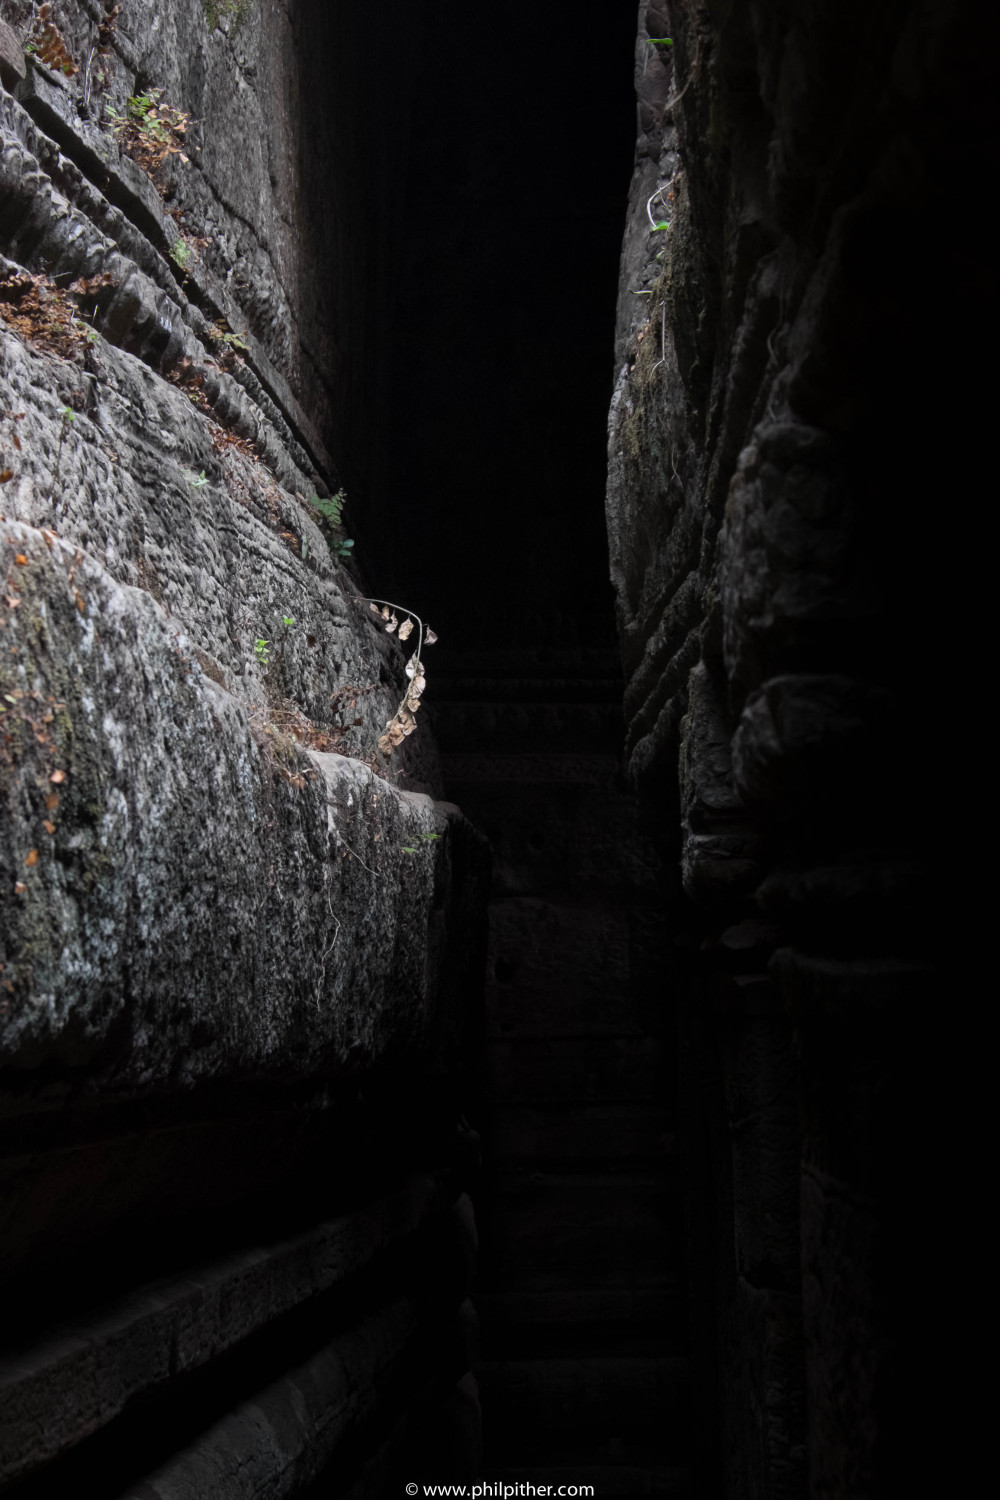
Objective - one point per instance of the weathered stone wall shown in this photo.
(770, 481)
(241, 949)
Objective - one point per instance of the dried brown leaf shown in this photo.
(405, 629)
(430, 636)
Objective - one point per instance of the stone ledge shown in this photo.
(176, 837)
(61, 1391)
(281, 1440)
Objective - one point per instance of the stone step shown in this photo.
(550, 1069)
(561, 1137)
(552, 1317)
(485, 692)
(565, 965)
(540, 1231)
(511, 726)
(656, 1481)
(535, 1408)
(589, 1321)
(526, 662)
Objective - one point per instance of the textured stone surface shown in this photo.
(770, 490)
(281, 1440)
(176, 837)
(55, 1394)
(169, 725)
(241, 951)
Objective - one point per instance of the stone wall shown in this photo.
(771, 486)
(242, 950)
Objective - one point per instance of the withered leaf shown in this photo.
(20, 559)
(49, 827)
(393, 622)
(58, 776)
(32, 858)
(19, 888)
(405, 629)
(52, 801)
(81, 606)
(374, 608)
(385, 611)
(430, 636)
(6, 474)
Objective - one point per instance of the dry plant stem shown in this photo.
(58, 463)
(650, 201)
(691, 78)
(358, 858)
(413, 615)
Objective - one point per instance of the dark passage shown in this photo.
(505, 196)
(331, 1162)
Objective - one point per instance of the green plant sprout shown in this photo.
(67, 416)
(660, 41)
(262, 650)
(197, 480)
(149, 130)
(331, 509)
(180, 254)
(425, 838)
(661, 223)
(235, 11)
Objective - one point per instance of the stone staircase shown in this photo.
(584, 1371)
